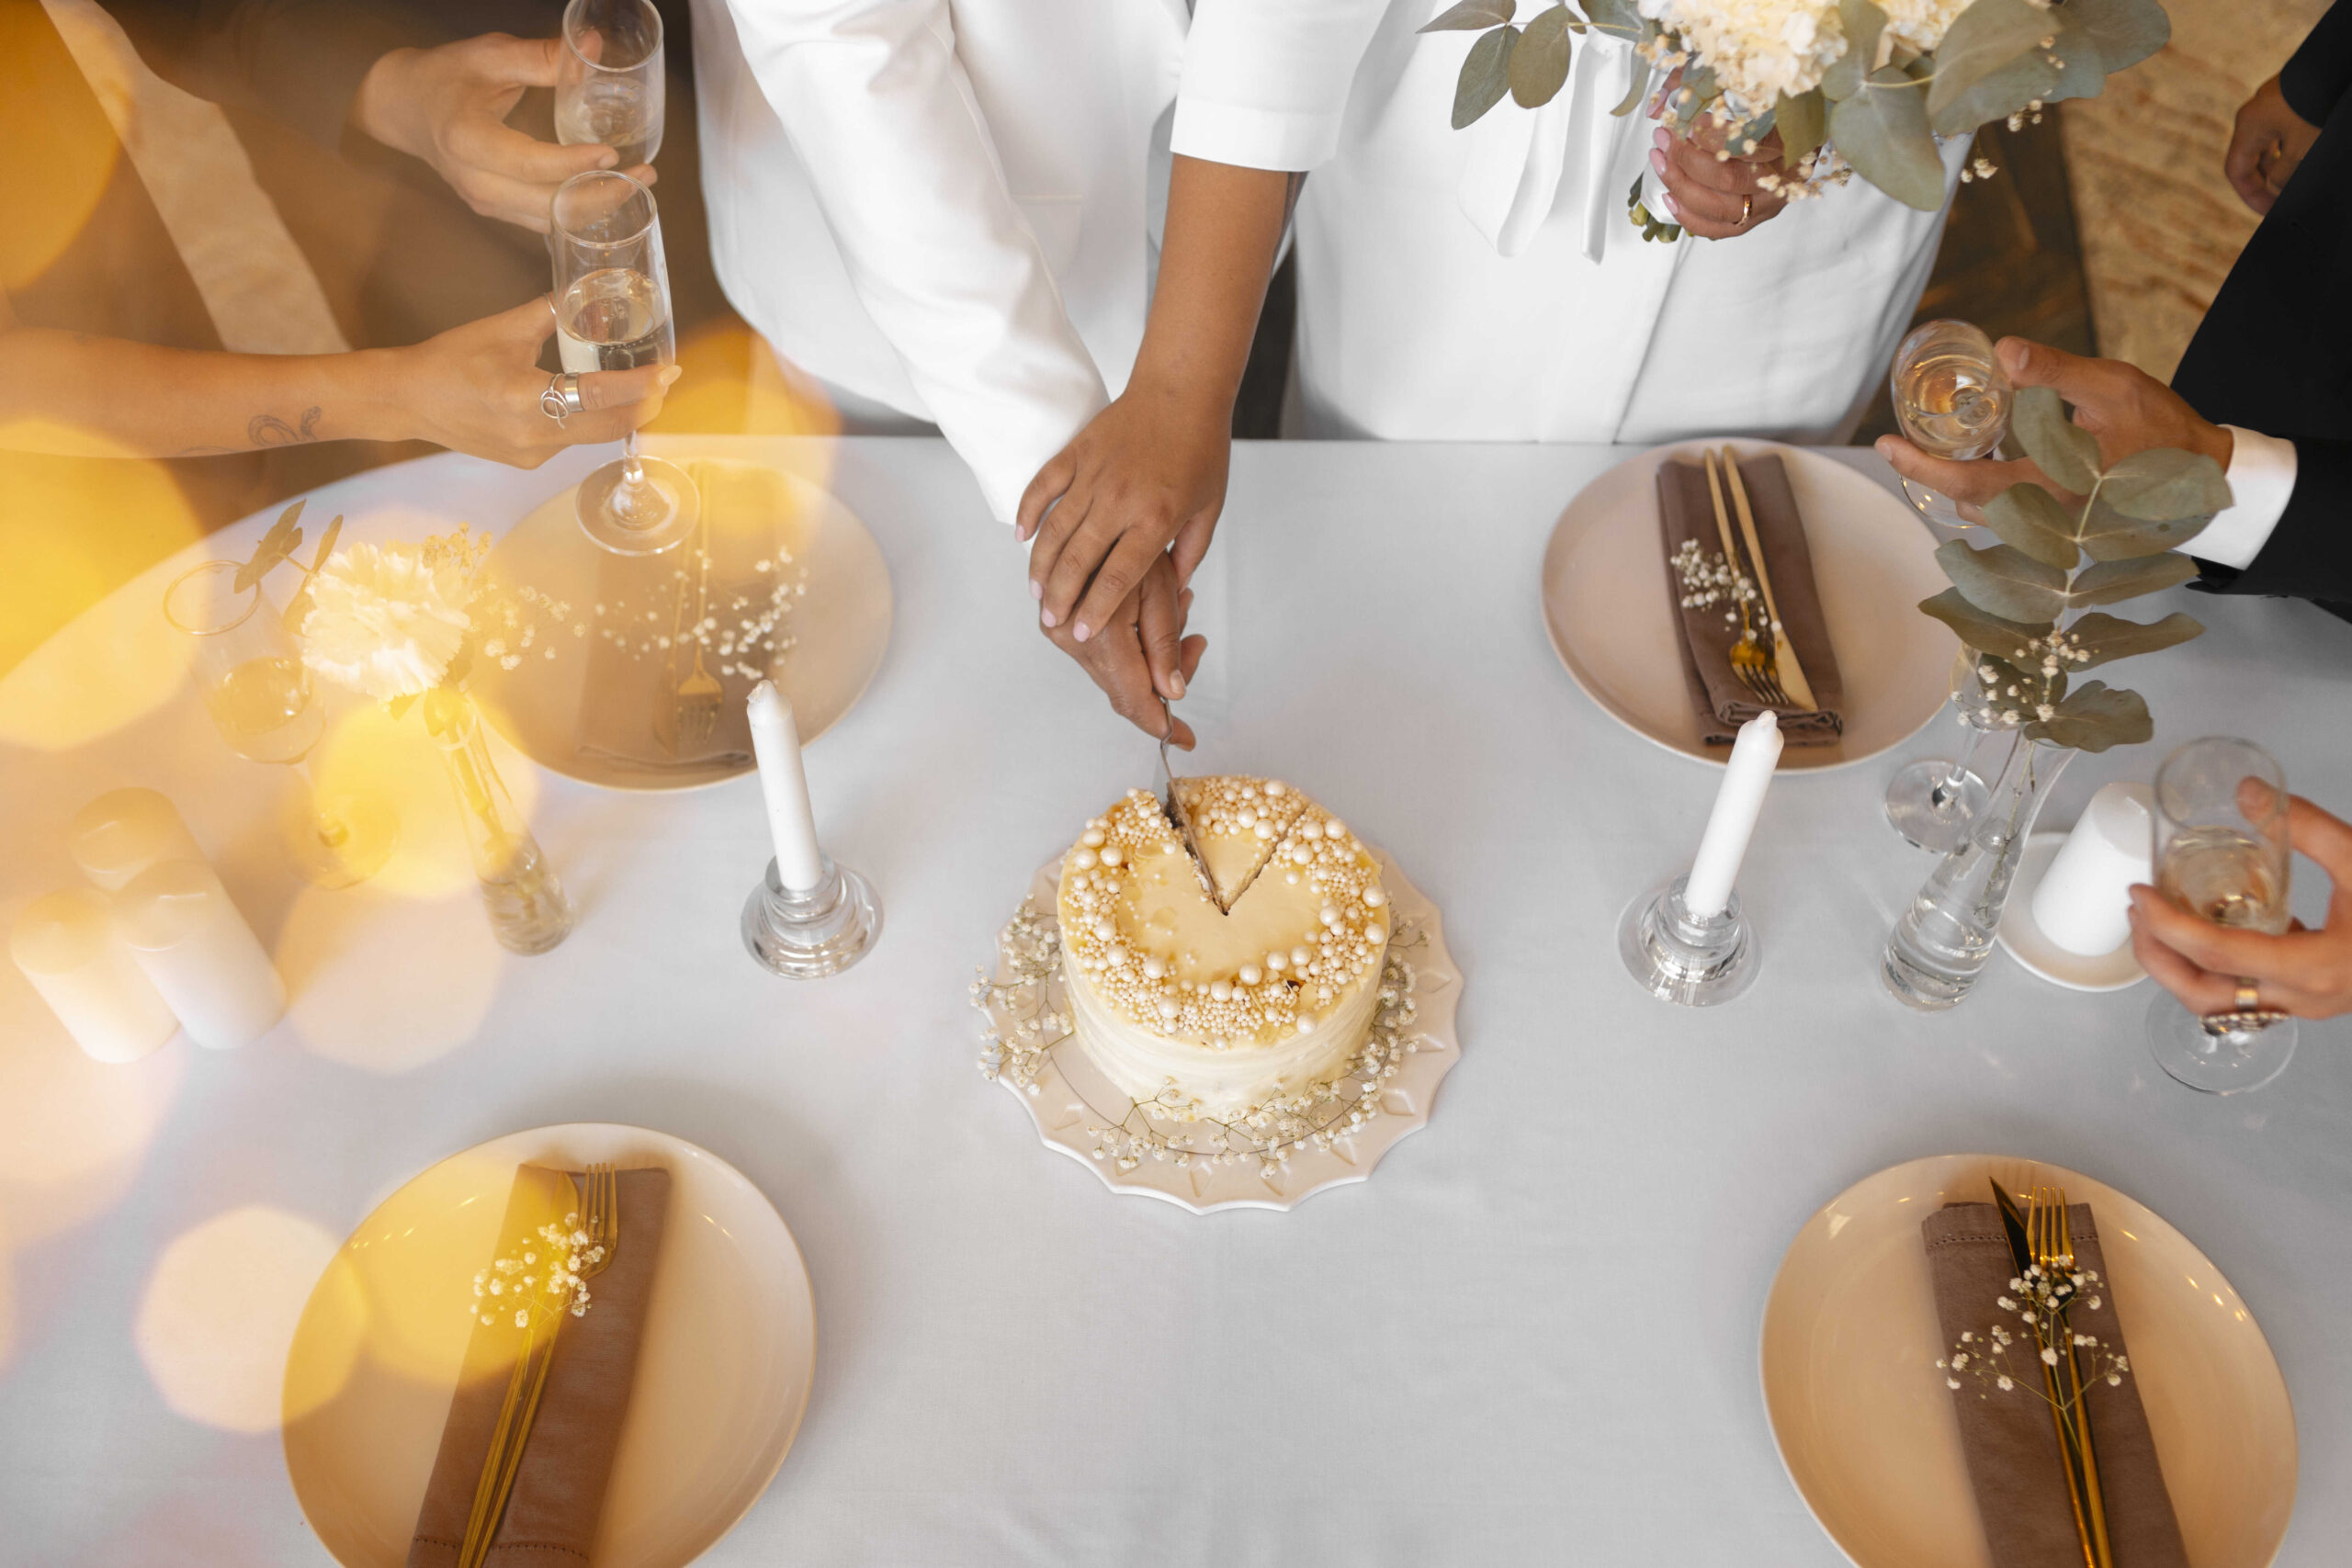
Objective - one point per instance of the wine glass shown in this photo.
(2221, 854)
(1952, 400)
(1933, 801)
(262, 703)
(608, 86)
(612, 313)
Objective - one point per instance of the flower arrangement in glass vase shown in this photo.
(2022, 606)
(1851, 87)
(402, 623)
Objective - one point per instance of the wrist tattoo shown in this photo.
(269, 430)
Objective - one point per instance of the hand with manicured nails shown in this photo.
(1143, 633)
(476, 389)
(2307, 973)
(2266, 144)
(2127, 409)
(449, 107)
(1709, 185)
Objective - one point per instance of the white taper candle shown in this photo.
(2083, 904)
(784, 783)
(123, 832)
(66, 946)
(189, 938)
(1745, 777)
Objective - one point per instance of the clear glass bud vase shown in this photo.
(1943, 940)
(528, 912)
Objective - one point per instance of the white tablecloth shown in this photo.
(1530, 1338)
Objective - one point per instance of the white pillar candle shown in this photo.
(2083, 904)
(1745, 777)
(191, 942)
(67, 947)
(784, 784)
(123, 832)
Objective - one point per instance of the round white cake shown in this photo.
(1210, 1013)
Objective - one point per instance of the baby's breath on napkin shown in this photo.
(538, 1281)
(2041, 1301)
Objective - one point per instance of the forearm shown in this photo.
(72, 394)
(1225, 228)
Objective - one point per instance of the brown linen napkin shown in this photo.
(629, 706)
(2012, 1447)
(560, 1490)
(1685, 510)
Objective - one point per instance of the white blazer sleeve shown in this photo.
(883, 116)
(1265, 82)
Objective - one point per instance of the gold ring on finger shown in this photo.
(1746, 210)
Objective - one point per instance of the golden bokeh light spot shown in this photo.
(365, 751)
(734, 385)
(69, 147)
(72, 1132)
(387, 981)
(218, 1318)
(73, 530)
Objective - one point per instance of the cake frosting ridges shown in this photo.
(1216, 1013)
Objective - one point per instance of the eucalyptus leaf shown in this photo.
(2003, 580)
(1862, 23)
(1539, 62)
(2124, 32)
(1882, 131)
(2109, 581)
(1485, 76)
(296, 609)
(1984, 42)
(327, 543)
(2109, 535)
(1804, 121)
(1470, 15)
(2029, 518)
(1988, 634)
(2033, 687)
(2096, 717)
(2013, 88)
(282, 540)
(1634, 95)
(2109, 638)
(1619, 18)
(2165, 484)
(2065, 451)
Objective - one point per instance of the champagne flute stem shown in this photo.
(1948, 788)
(330, 829)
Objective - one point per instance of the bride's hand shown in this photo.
(1713, 189)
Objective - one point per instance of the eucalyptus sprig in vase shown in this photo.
(2024, 607)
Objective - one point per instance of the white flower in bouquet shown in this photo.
(1758, 48)
(388, 620)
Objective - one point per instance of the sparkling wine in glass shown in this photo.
(608, 82)
(612, 313)
(263, 704)
(1952, 400)
(2221, 854)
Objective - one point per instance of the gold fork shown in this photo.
(599, 1221)
(699, 694)
(2049, 1238)
(1749, 661)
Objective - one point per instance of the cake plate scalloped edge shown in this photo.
(1061, 1101)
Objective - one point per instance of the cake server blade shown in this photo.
(1176, 814)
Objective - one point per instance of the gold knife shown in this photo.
(1174, 806)
(1784, 658)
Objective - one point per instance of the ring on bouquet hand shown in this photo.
(2248, 1000)
(1746, 210)
(561, 399)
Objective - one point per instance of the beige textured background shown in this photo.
(2159, 224)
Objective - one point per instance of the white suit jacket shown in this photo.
(1484, 284)
(943, 204)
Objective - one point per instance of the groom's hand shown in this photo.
(2127, 409)
(2266, 142)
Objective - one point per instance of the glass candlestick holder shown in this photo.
(1678, 957)
(806, 936)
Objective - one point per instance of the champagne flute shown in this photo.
(262, 702)
(1952, 400)
(608, 86)
(2221, 854)
(612, 313)
(1932, 802)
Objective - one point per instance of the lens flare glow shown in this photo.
(218, 1318)
(55, 192)
(387, 981)
(72, 1132)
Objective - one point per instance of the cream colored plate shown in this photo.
(840, 628)
(730, 1345)
(1865, 1423)
(1071, 1098)
(1607, 607)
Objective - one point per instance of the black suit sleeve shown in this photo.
(2315, 80)
(299, 61)
(2308, 553)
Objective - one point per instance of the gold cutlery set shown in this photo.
(2041, 1236)
(1772, 674)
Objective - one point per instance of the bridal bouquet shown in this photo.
(1850, 86)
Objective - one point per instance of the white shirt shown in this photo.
(2262, 478)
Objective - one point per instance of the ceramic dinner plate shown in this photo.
(839, 629)
(722, 1377)
(1608, 609)
(1865, 1423)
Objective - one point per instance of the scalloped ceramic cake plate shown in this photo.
(1071, 1101)
(728, 1349)
(1608, 605)
(1865, 1423)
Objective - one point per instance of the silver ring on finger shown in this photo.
(561, 399)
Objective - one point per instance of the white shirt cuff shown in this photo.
(1253, 138)
(2262, 478)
